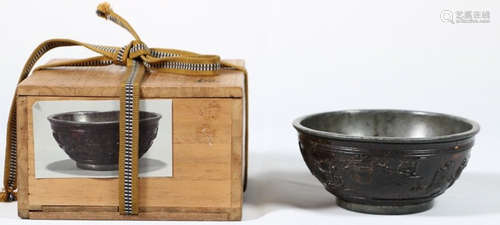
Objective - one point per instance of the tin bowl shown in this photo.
(385, 161)
(91, 138)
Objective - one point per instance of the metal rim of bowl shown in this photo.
(297, 124)
(52, 118)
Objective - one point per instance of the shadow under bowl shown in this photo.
(91, 138)
(385, 161)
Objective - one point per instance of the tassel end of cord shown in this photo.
(103, 10)
(8, 196)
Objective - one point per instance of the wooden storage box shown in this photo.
(208, 153)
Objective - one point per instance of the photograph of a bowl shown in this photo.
(91, 138)
(385, 161)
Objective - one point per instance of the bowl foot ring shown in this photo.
(97, 167)
(385, 209)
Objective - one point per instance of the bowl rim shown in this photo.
(443, 138)
(52, 118)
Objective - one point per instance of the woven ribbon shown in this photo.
(139, 59)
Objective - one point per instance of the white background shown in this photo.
(306, 57)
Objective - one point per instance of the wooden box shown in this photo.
(208, 135)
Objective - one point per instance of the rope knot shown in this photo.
(134, 50)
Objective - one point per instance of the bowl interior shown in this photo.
(387, 123)
(95, 117)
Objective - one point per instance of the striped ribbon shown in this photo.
(139, 59)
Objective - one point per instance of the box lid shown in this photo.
(104, 81)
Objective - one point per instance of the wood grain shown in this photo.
(89, 215)
(104, 81)
(145, 213)
(236, 160)
(22, 159)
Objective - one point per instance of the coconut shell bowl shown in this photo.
(385, 161)
(91, 138)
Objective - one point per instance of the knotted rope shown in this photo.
(139, 59)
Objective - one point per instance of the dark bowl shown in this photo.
(385, 161)
(91, 138)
